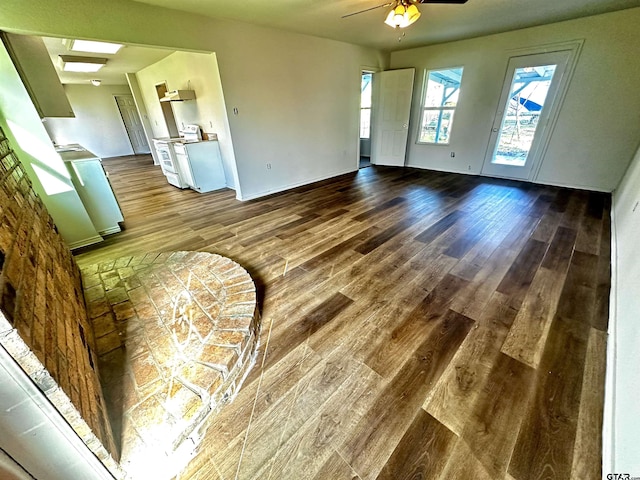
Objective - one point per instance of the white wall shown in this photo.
(624, 326)
(298, 101)
(597, 129)
(199, 72)
(297, 96)
(49, 175)
(97, 125)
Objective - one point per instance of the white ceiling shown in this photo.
(439, 23)
(128, 60)
(322, 18)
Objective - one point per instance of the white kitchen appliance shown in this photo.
(168, 162)
(189, 162)
(199, 162)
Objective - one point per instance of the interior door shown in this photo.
(132, 123)
(529, 100)
(391, 109)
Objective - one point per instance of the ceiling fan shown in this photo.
(404, 12)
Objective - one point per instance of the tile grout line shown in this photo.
(293, 402)
(346, 462)
(255, 400)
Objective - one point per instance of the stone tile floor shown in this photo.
(176, 334)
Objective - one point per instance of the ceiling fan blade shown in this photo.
(457, 2)
(369, 9)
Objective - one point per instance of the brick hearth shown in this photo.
(176, 334)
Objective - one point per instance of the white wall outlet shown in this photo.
(235, 110)
(268, 166)
(453, 154)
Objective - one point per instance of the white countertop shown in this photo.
(74, 152)
(208, 137)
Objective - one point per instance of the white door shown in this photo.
(132, 123)
(391, 109)
(530, 98)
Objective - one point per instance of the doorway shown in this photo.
(132, 124)
(366, 97)
(531, 96)
(167, 111)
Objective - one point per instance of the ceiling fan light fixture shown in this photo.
(402, 15)
(412, 14)
(395, 16)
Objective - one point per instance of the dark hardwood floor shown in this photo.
(416, 324)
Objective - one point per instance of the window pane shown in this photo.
(440, 101)
(365, 122)
(443, 87)
(436, 126)
(365, 90)
(527, 97)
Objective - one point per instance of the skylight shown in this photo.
(92, 46)
(70, 63)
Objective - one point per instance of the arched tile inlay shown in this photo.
(176, 334)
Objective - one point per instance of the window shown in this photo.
(440, 101)
(365, 105)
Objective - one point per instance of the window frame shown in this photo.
(424, 108)
(369, 108)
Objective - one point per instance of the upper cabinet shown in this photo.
(38, 74)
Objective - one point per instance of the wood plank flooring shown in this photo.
(416, 324)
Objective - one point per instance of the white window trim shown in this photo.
(423, 108)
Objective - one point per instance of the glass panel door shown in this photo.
(525, 104)
(528, 101)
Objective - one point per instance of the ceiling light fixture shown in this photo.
(403, 14)
(92, 46)
(96, 82)
(72, 63)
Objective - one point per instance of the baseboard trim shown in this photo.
(461, 172)
(609, 415)
(109, 231)
(253, 196)
(590, 188)
(85, 242)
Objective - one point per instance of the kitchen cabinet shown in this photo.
(93, 186)
(31, 59)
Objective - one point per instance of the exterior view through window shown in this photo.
(527, 96)
(365, 105)
(440, 101)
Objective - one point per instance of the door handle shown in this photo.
(494, 129)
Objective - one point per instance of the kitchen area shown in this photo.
(169, 107)
(189, 161)
(58, 140)
(189, 128)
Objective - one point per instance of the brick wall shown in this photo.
(43, 320)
